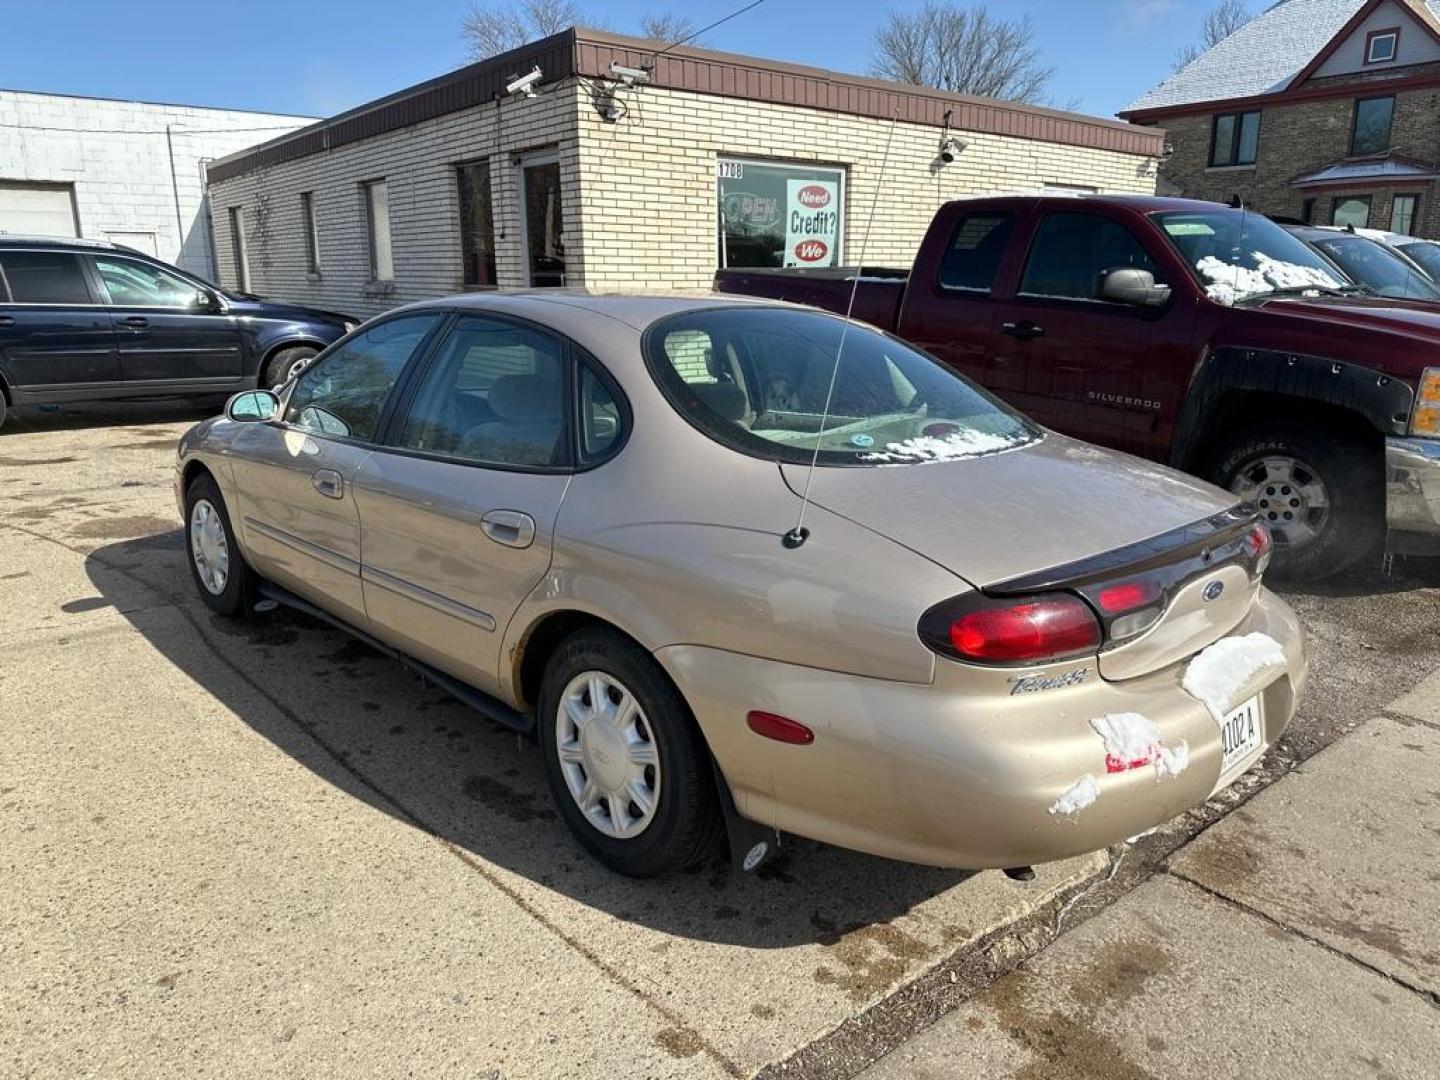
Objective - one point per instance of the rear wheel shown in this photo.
(626, 763)
(1319, 491)
(221, 576)
(2, 406)
(286, 364)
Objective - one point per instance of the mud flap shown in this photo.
(752, 845)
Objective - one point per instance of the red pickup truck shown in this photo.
(1188, 333)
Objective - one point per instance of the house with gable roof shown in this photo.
(1327, 111)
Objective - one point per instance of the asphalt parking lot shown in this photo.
(262, 847)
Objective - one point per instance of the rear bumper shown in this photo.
(946, 776)
(1412, 494)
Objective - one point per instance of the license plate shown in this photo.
(1240, 736)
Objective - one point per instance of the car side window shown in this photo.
(44, 277)
(136, 284)
(602, 421)
(345, 392)
(494, 394)
(1072, 251)
(972, 258)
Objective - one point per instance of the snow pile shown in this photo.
(953, 447)
(1080, 795)
(1218, 673)
(1133, 741)
(1228, 282)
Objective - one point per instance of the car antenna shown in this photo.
(799, 534)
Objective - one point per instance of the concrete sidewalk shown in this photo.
(1296, 938)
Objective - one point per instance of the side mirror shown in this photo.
(252, 406)
(1133, 286)
(206, 301)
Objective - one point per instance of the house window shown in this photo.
(1307, 212)
(1351, 210)
(477, 224)
(237, 248)
(773, 214)
(1371, 133)
(1381, 46)
(1402, 214)
(1234, 139)
(307, 228)
(377, 219)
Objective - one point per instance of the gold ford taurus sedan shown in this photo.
(732, 585)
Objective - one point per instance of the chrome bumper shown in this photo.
(1412, 493)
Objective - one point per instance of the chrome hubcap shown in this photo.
(297, 367)
(208, 547)
(608, 755)
(1289, 494)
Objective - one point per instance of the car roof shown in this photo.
(1145, 204)
(636, 310)
(59, 242)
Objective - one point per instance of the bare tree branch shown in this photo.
(1219, 23)
(489, 29)
(666, 28)
(965, 50)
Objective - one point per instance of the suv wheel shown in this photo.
(1318, 491)
(221, 576)
(626, 763)
(285, 365)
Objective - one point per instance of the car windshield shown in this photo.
(758, 378)
(1377, 266)
(1238, 255)
(1426, 254)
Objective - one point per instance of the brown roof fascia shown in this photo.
(588, 52)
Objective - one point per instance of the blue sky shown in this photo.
(320, 56)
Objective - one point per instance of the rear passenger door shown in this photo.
(1083, 359)
(56, 341)
(458, 509)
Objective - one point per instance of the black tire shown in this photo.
(285, 365)
(1350, 470)
(239, 593)
(2, 406)
(687, 823)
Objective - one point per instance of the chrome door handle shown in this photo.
(329, 483)
(135, 322)
(1022, 330)
(509, 527)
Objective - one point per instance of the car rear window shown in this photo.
(759, 380)
(44, 277)
(972, 258)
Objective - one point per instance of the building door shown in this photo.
(542, 220)
(38, 209)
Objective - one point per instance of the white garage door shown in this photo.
(37, 209)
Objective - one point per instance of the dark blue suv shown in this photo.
(88, 321)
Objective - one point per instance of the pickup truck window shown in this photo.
(1071, 251)
(976, 247)
(771, 371)
(1237, 255)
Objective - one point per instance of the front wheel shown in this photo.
(626, 763)
(1320, 492)
(222, 578)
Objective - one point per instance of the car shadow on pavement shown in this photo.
(100, 414)
(363, 723)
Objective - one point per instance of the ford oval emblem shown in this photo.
(1213, 591)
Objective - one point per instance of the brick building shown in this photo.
(1322, 110)
(709, 159)
(127, 171)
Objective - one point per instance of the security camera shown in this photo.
(951, 148)
(629, 75)
(525, 84)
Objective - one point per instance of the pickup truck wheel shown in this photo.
(285, 365)
(1318, 491)
(625, 760)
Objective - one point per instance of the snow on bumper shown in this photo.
(952, 774)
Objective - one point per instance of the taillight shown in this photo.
(1118, 599)
(1259, 544)
(1011, 631)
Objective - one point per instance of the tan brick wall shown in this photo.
(1298, 137)
(639, 195)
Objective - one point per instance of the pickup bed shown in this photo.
(1185, 332)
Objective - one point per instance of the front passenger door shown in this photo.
(296, 476)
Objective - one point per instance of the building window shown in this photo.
(1381, 46)
(237, 248)
(1402, 214)
(1234, 139)
(1371, 133)
(779, 215)
(1307, 211)
(1351, 210)
(307, 227)
(477, 224)
(377, 220)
